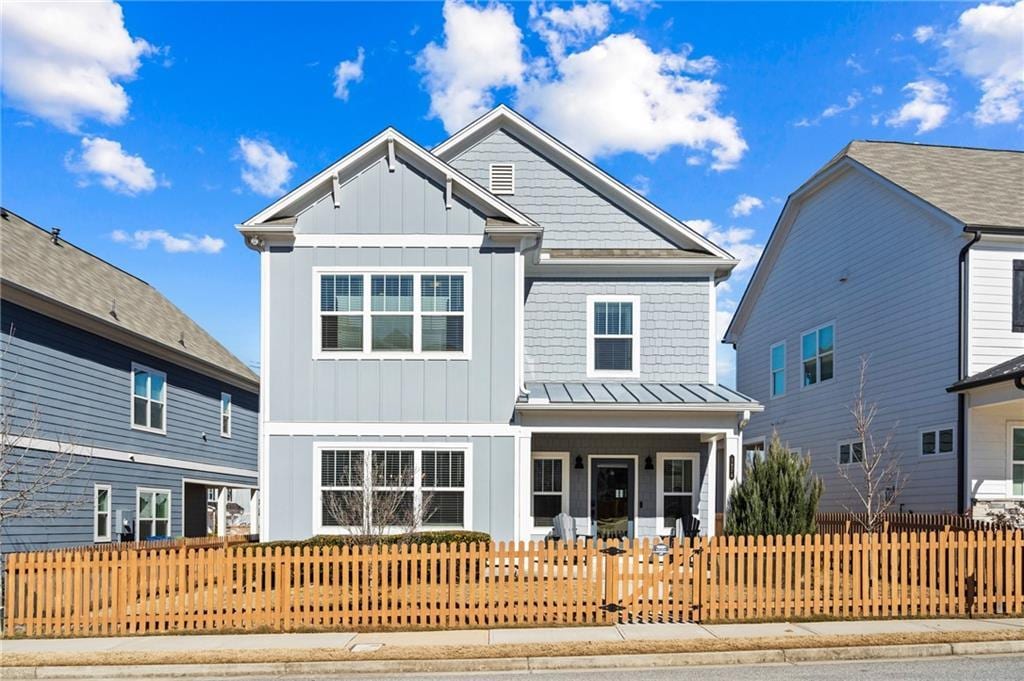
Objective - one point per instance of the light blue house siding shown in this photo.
(870, 260)
(67, 385)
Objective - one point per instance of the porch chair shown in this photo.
(687, 526)
(564, 528)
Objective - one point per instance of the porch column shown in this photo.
(733, 468)
(222, 511)
(712, 481)
(524, 449)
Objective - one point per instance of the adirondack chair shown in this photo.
(688, 526)
(564, 528)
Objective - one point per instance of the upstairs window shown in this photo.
(817, 350)
(404, 313)
(225, 415)
(149, 399)
(851, 452)
(778, 369)
(1018, 296)
(503, 178)
(613, 346)
(937, 441)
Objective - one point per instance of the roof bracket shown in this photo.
(336, 190)
(448, 191)
(391, 154)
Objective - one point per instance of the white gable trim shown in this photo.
(502, 116)
(379, 146)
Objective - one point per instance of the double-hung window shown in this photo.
(149, 399)
(443, 482)
(550, 486)
(397, 312)
(225, 415)
(153, 513)
(851, 452)
(753, 451)
(778, 369)
(613, 343)
(676, 488)
(1017, 461)
(101, 518)
(817, 349)
(936, 441)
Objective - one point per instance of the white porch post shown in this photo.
(524, 449)
(222, 511)
(734, 463)
(712, 482)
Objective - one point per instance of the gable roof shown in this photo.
(62, 279)
(970, 186)
(377, 147)
(503, 117)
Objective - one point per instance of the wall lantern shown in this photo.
(648, 464)
(579, 463)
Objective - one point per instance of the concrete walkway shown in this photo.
(473, 637)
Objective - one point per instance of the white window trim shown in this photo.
(96, 536)
(661, 457)
(139, 491)
(131, 416)
(564, 457)
(771, 370)
(417, 450)
(591, 371)
(841, 443)
(416, 313)
(1010, 426)
(229, 413)
(490, 179)
(817, 357)
(937, 454)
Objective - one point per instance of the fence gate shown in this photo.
(649, 581)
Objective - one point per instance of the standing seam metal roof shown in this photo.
(635, 393)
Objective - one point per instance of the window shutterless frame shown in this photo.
(564, 494)
(849, 451)
(152, 517)
(102, 513)
(694, 492)
(818, 356)
(937, 441)
(151, 390)
(226, 416)
(777, 370)
(417, 313)
(1015, 459)
(593, 372)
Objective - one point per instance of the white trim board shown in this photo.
(371, 429)
(117, 455)
(634, 336)
(390, 240)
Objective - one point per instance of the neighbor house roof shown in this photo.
(1006, 371)
(640, 395)
(59, 279)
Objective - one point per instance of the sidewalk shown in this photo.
(488, 637)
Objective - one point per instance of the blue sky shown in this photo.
(146, 131)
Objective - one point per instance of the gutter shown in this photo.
(961, 398)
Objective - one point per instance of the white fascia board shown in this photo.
(378, 145)
(586, 170)
(616, 267)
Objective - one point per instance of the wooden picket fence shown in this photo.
(173, 543)
(722, 579)
(832, 523)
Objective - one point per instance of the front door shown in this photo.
(611, 503)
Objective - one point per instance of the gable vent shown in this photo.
(503, 178)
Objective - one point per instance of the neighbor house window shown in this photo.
(149, 399)
(851, 452)
(676, 488)
(153, 513)
(405, 487)
(1017, 295)
(778, 369)
(1017, 461)
(549, 488)
(817, 349)
(753, 451)
(400, 313)
(225, 415)
(101, 517)
(613, 343)
(938, 441)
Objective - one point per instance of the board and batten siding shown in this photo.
(991, 339)
(673, 327)
(573, 215)
(867, 258)
(76, 387)
(291, 461)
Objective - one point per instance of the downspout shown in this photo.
(522, 328)
(961, 398)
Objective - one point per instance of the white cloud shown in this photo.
(745, 204)
(641, 184)
(559, 27)
(186, 243)
(631, 5)
(66, 62)
(266, 170)
(347, 72)
(928, 106)
(877, 89)
(923, 34)
(737, 240)
(854, 65)
(987, 46)
(114, 168)
(482, 50)
(852, 100)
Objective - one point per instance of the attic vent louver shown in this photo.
(503, 178)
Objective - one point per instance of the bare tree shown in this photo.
(380, 504)
(33, 482)
(874, 470)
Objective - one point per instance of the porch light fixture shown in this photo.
(579, 463)
(648, 464)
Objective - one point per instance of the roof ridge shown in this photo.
(929, 144)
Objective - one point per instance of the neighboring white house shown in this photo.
(913, 257)
(497, 317)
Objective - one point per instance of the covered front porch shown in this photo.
(628, 468)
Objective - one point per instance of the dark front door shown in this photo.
(611, 504)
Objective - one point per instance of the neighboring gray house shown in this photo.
(119, 412)
(518, 332)
(912, 256)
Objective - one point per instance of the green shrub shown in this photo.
(439, 537)
(778, 495)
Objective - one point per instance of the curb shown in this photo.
(523, 664)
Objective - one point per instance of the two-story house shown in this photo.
(514, 328)
(121, 417)
(911, 256)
